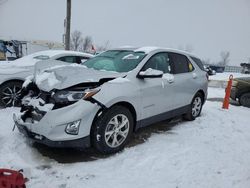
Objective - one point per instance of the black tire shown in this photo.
(103, 126)
(244, 99)
(190, 116)
(9, 93)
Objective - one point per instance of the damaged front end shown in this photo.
(59, 118)
(35, 103)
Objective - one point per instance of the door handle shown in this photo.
(194, 75)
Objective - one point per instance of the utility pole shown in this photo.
(68, 19)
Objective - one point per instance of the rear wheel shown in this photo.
(244, 100)
(111, 130)
(195, 108)
(10, 93)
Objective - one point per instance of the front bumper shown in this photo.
(77, 143)
(50, 130)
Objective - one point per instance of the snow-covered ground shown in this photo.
(216, 92)
(212, 151)
(225, 76)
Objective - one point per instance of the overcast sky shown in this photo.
(205, 26)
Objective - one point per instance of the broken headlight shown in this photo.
(73, 96)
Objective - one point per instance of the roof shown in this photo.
(149, 49)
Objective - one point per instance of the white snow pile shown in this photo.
(212, 151)
(49, 76)
(119, 80)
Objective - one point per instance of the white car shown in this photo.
(101, 102)
(13, 74)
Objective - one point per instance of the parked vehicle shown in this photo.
(209, 70)
(115, 93)
(241, 91)
(13, 74)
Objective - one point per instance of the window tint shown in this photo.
(198, 62)
(68, 59)
(181, 63)
(160, 62)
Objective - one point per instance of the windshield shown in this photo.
(116, 60)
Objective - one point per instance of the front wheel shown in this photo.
(111, 130)
(195, 108)
(244, 100)
(10, 93)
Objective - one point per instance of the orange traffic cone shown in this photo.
(228, 92)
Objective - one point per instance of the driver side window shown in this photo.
(159, 61)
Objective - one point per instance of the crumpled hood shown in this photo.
(63, 76)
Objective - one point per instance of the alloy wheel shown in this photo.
(117, 130)
(10, 95)
(196, 106)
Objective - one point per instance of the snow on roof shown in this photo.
(30, 59)
(147, 49)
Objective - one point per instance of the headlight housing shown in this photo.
(73, 96)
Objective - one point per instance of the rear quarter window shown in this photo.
(198, 62)
(180, 63)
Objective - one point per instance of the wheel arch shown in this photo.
(12, 80)
(203, 95)
(125, 104)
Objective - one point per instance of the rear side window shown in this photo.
(68, 59)
(180, 63)
(198, 63)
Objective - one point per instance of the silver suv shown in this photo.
(102, 102)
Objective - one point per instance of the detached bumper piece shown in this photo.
(77, 143)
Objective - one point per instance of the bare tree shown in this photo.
(86, 44)
(104, 47)
(224, 58)
(206, 61)
(76, 40)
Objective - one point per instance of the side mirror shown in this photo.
(150, 73)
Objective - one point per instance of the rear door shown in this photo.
(184, 79)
